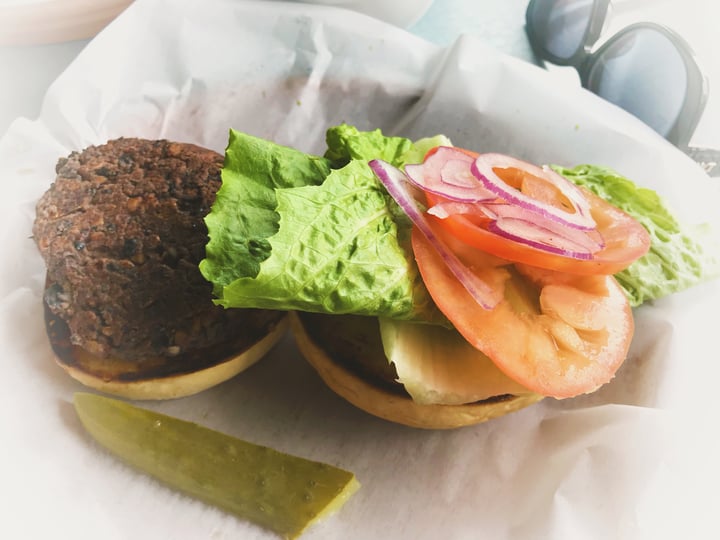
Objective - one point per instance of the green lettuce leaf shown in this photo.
(339, 246)
(679, 256)
(244, 214)
(346, 142)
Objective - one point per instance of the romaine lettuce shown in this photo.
(244, 215)
(679, 256)
(336, 244)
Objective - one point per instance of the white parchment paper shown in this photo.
(637, 459)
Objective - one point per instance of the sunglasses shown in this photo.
(646, 68)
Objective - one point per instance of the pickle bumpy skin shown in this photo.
(277, 491)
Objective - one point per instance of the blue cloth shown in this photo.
(498, 23)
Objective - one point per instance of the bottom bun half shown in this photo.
(336, 346)
(161, 377)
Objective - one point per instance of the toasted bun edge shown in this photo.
(395, 407)
(182, 384)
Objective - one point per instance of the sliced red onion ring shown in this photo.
(396, 183)
(483, 167)
(457, 173)
(530, 228)
(447, 172)
(446, 209)
(590, 241)
(528, 233)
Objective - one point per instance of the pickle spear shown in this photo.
(277, 491)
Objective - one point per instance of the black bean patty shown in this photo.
(122, 232)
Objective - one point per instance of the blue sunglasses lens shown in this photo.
(644, 73)
(561, 25)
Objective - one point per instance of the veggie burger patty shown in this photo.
(122, 231)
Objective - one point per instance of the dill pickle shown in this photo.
(277, 491)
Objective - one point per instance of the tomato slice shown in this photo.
(554, 333)
(624, 238)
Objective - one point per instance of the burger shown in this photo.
(121, 231)
(438, 287)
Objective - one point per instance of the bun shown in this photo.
(160, 377)
(382, 400)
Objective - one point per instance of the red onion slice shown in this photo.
(528, 233)
(446, 209)
(396, 183)
(457, 173)
(483, 167)
(447, 173)
(530, 228)
(590, 241)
